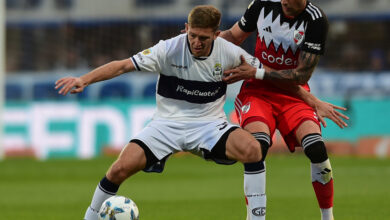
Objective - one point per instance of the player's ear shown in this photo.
(216, 34)
(186, 25)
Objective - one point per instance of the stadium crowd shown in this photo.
(76, 45)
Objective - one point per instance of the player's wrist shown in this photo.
(259, 73)
(84, 81)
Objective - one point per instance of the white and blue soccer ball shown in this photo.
(118, 208)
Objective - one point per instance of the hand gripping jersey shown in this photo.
(190, 88)
(280, 39)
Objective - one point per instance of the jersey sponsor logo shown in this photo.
(313, 46)
(146, 52)
(179, 66)
(189, 90)
(325, 175)
(298, 36)
(255, 195)
(281, 60)
(140, 58)
(243, 21)
(195, 92)
(259, 211)
(268, 29)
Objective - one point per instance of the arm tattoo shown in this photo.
(300, 75)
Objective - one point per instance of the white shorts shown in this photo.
(166, 137)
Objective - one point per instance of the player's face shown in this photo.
(200, 40)
(293, 7)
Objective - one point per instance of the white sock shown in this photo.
(98, 198)
(254, 188)
(327, 214)
(91, 214)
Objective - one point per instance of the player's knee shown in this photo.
(314, 148)
(251, 153)
(118, 172)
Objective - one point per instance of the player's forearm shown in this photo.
(228, 35)
(298, 91)
(107, 71)
(298, 76)
(307, 97)
(291, 76)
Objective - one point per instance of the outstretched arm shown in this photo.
(298, 76)
(105, 72)
(290, 80)
(323, 109)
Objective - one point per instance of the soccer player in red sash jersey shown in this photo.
(291, 37)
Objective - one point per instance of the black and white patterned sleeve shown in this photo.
(315, 35)
(248, 22)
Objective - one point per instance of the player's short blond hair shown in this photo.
(204, 16)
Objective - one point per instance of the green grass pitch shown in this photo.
(192, 189)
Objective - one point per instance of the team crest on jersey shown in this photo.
(217, 73)
(298, 36)
(146, 52)
(246, 108)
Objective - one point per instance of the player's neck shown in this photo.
(300, 9)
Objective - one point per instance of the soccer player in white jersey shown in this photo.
(291, 36)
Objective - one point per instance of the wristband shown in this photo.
(259, 73)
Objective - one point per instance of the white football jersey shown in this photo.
(190, 88)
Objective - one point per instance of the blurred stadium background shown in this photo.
(47, 39)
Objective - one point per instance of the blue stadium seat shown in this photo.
(45, 91)
(115, 90)
(149, 90)
(13, 92)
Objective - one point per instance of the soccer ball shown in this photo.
(118, 208)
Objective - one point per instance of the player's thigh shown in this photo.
(255, 113)
(242, 146)
(305, 128)
(257, 126)
(131, 160)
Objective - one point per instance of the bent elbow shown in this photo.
(125, 65)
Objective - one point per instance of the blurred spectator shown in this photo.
(64, 4)
(351, 58)
(377, 60)
(22, 4)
